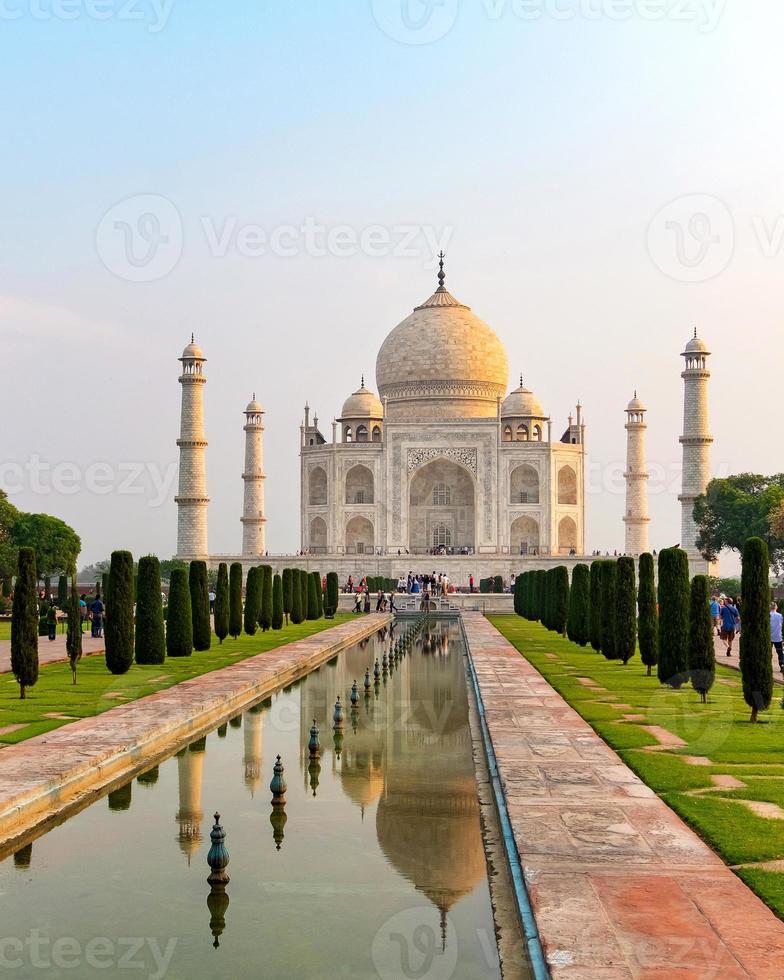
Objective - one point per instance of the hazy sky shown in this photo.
(147, 146)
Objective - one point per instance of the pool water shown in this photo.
(373, 868)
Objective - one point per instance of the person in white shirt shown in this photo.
(776, 621)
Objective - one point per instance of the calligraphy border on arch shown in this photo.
(467, 457)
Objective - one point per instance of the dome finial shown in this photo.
(695, 333)
(441, 273)
(635, 392)
(192, 341)
(363, 380)
(521, 379)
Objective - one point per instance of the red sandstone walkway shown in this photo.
(734, 661)
(50, 651)
(49, 773)
(619, 885)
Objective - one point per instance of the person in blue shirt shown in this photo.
(714, 608)
(730, 620)
(776, 622)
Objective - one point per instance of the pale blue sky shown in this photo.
(539, 152)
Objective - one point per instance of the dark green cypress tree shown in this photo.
(303, 587)
(673, 668)
(578, 625)
(518, 594)
(252, 601)
(287, 593)
(200, 605)
(755, 648)
(179, 622)
(648, 625)
(150, 632)
(541, 594)
(609, 579)
(277, 602)
(24, 622)
(320, 592)
(702, 656)
(105, 584)
(595, 612)
(560, 599)
(118, 631)
(62, 592)
(265, 612)
(296, 597)
(73, 639)
(222, 604)
(313, 603)
(235, 599)
(333, 594)
(625, 610)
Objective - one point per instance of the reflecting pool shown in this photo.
(373, 868)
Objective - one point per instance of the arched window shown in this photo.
(359, 485)
(362, 433)
(376, 433)
(318, 486)
(442, 536)
(524, 485)
(537, 433)
(522, 433)
(442, 495)
(567, 485)
(347, 433)
(507, 433)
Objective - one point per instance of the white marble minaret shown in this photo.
(253, 499)
(192, 496)
(696, 438)
(636, 516)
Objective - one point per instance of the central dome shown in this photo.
(442, 362)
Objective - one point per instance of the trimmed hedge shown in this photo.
(625, 610)
(118, 631)
(222, 602)
(235, 599)
(252, 601)
(333, 594)
(179, 624)
(702, 655)
(265, 610)
(314, 586)
(150, 646)
(560, 599)
(287, 592)
(297, 615)
(200, 605)
(673, 617)
(648, 626)
(277, 602)
(596, 605)
(609, 572)
(578, 623)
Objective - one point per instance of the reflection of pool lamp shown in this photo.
(337, 742)
(337, 715)
(278, 784)
(314, 747)
(217, 903)
(354, 720)
(314, 771)
(23, 857)
(278, 820)
(218, 856)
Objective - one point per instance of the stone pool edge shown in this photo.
(46, 778)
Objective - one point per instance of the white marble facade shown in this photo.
(444, 459)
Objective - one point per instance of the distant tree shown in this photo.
(702, 655)
(73, 639)
(265, 612)
(118, 630)
(222, 604)
(277, 602)
(609, 610)
(626, 610)
(313, 604)
(150, 631)
(734, 508)
(9, 551)
(673, 617)
(179, 622)
(235, 599)
(287, 593)
(595, 617)
(578, 624)
(200, 605)
(722, 585)
(56, 545)
(755, 647)
(333, 594)
(498, 583)
(648, 625)
(24, 623)
(168, 566)
(297, 613)
(252, 600)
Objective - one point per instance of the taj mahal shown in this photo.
(443, 459)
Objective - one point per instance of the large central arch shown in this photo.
(441, 507)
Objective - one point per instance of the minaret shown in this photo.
(696, 438)
(192, 496)
(636, 516)
(253, 498)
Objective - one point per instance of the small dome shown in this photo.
(696, 346)
(192, 351)
(522, 403)
(635, 405)
(362, 404)
(254, 408)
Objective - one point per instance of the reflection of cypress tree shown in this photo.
(222, 731)
(648, 627)
(23, 857)
(149, 778)
(235, 599)
(236, 721)
(120, 799)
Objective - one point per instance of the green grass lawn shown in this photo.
(97, 690)
(719, 731)
(5, 631)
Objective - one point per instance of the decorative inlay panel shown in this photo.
(417, 457)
